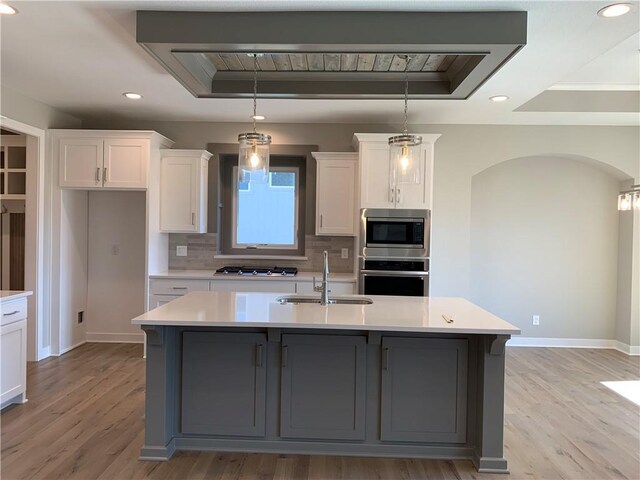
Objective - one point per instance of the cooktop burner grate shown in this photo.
(257, 271)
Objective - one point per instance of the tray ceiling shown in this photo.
(332, 54)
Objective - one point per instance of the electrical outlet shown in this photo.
(115, 250)
(345, 253)
(536, 319)
(181, 251)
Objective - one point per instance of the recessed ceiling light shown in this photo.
(258, 117)
(7, 10)
(499, 98)
(615, 10)
(132, 95)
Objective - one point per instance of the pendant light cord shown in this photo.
(255, 88)
(406, 92)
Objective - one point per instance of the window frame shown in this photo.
(296, 217)
(226, 181)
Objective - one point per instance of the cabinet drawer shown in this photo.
(14, 310)
(175, 286)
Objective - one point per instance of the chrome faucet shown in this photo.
(324, 286)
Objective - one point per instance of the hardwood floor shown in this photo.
(84, 420)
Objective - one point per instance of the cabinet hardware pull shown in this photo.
(259, 355)
(320, 221)
(392, 197)
(398, 196)
(98, 174)
(385, 359)
(193, 219)
(285, 355)
(11, 313)
(104, 176)
(179, 288)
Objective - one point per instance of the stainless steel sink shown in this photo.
(332, 301)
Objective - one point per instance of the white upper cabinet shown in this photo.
(103, 159)
(336, 193)
(126, 163)
(81, 161)
(183, 191)
(375, 188)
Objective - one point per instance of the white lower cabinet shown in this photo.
(156, 301)
(164, 290)
(13, 352)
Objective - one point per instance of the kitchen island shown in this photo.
(231, 371)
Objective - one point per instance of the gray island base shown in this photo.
(217, 386)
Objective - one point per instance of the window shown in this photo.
(263, 219)
(265, 215)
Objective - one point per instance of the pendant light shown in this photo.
(404, 150)
(253, 157)
(629, 199)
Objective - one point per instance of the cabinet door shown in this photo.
(80, 162)
(375, 191)
(335, 197)
(323, 387)
(179, 194)
(246, 285)
(424, 390)
(224, 383)
(13, 360)
(126, 162)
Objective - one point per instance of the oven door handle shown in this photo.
(392, 273)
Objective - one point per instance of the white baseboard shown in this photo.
(97, 337)
(68, 349)
(572, 343)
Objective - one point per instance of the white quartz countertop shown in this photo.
(7, 295)
(210, 275)
(409, 314)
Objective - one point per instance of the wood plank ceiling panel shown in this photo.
(281, 61)
(398, 64)
(365, 62)
(433, 63)
(315, 62)
(232, 62)
(446, 63)
(246, 61)
(266, 64)
(383, 62)
(332, 62)
(298, 62)
(348, 62)
(217, 61)
(416, 62)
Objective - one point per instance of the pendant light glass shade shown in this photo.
(404, 150)
(404, 159)
(253, 154)
(253, 157)
(629, 199)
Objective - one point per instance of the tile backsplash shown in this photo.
(201, 249)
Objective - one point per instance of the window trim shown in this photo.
(296, 218)
(287, 156)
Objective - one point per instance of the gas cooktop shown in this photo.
(259, 271)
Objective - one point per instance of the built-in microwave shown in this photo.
(394, 233)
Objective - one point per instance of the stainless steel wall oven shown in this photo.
(394, 252)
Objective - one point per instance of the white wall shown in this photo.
(73, 278)
(544, 241)
(116, 281)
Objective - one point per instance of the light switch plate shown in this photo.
(181, 251)
(345, 253)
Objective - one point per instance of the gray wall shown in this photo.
(23, 109)
(544, 241)
(462, 152)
